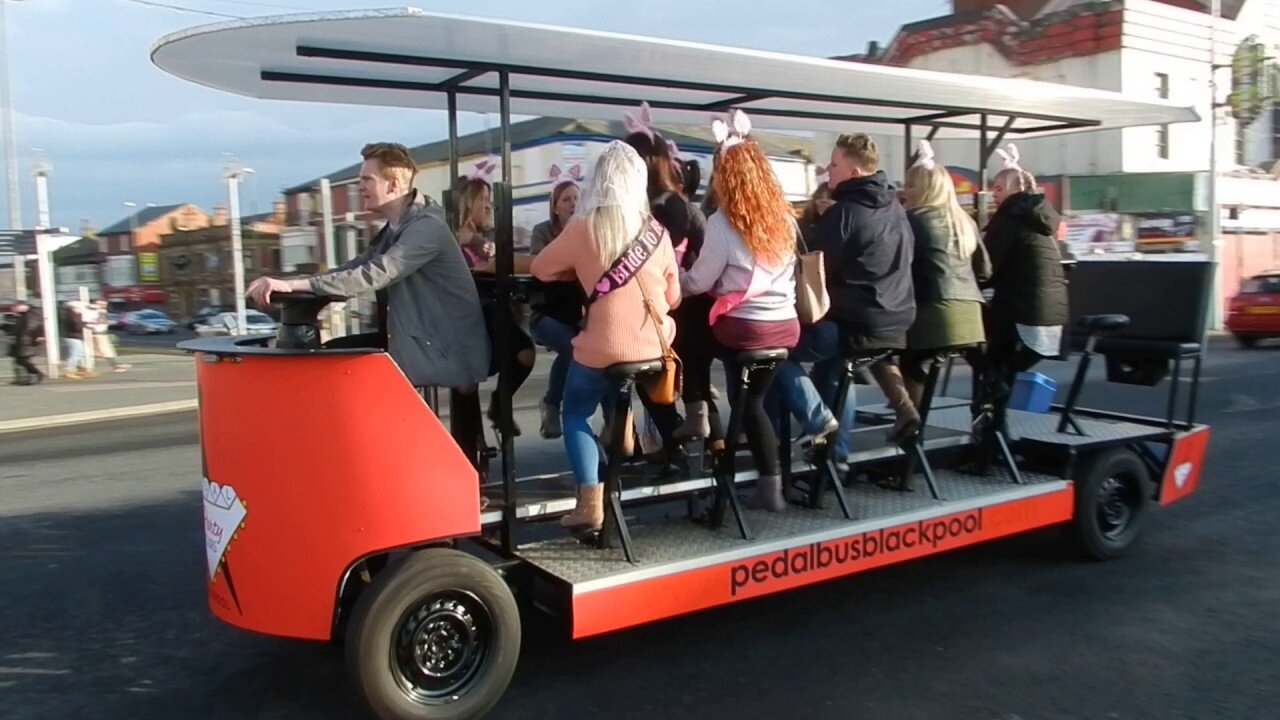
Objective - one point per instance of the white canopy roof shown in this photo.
(408, 58)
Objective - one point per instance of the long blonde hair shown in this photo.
(617, 204)
(933, 188)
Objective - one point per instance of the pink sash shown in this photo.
(759, 283)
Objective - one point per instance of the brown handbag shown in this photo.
(812, 299)
(664, 387)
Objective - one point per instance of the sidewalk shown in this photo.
(155, 383)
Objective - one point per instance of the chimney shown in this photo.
(278, 214)
(219, 215)
(873, 50)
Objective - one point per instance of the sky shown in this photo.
(116, 129)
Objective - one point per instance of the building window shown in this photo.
(1162, 132)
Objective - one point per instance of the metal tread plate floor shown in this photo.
(676, 544)
(1043, 428)
(544, 495)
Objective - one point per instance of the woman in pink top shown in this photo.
(748, 265)
(618, 327)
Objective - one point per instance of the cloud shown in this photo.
(116, 128)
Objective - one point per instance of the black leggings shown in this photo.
(696, 346)
(761, 438)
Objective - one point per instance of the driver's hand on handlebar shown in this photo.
(260, 290)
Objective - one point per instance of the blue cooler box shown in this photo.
(1032, 392)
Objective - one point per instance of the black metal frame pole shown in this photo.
(908, 156)
(980, 198)
(453, 145)
(464, 407)
(504, 262)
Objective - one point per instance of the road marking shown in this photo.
(47, 421)
(122, 386)
(31, 671)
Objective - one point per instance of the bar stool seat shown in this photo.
(633, 370)
(625, 376)
(754, 366)
(854, 358)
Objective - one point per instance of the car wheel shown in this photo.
(434, 638)
(1247, 341)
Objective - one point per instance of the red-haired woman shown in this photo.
(748, 264)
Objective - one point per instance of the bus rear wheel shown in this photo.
(434, 638)
(1112, 489)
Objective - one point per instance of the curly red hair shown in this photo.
(752, 201)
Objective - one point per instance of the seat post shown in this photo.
(1077, 384)
(1195, 389)
(915, 450)
(614, 520)
(822, 454)
(1173, 390)
(725, 470)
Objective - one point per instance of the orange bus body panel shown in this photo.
(1186, 460)
(310, 463)
(629, 604)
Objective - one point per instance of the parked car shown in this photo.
(205, 313)
(1254, 314)
(256, 323)
(148, 322)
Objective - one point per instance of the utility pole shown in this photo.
(233, 172)
(1215, 214)
(6, 124)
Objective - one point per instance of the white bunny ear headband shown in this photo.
(643, 123)
(731, 133)
(571, 175)
(1011, 157)
(925, 157)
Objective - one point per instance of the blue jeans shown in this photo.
(810, 397)
(75, 354)
(559, 337)
(584, 389)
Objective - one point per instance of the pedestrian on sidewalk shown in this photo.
(71, 327)
(104, 345)
(26, 330)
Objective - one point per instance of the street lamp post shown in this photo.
(233, 172)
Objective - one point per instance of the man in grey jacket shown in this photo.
(429, 316)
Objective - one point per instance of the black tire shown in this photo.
(473, 624)
(1247, 341)
(1112, 492)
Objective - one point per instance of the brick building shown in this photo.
(130, 271)
(195, 265)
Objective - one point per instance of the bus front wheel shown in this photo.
(434, 638)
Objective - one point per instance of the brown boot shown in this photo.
(889, 377)
(589, 512)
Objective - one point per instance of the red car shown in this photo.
(1254, 314)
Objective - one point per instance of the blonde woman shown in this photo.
(948, 262)
(618, 326)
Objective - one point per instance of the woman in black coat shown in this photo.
(25, 329)
(1028, 306)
